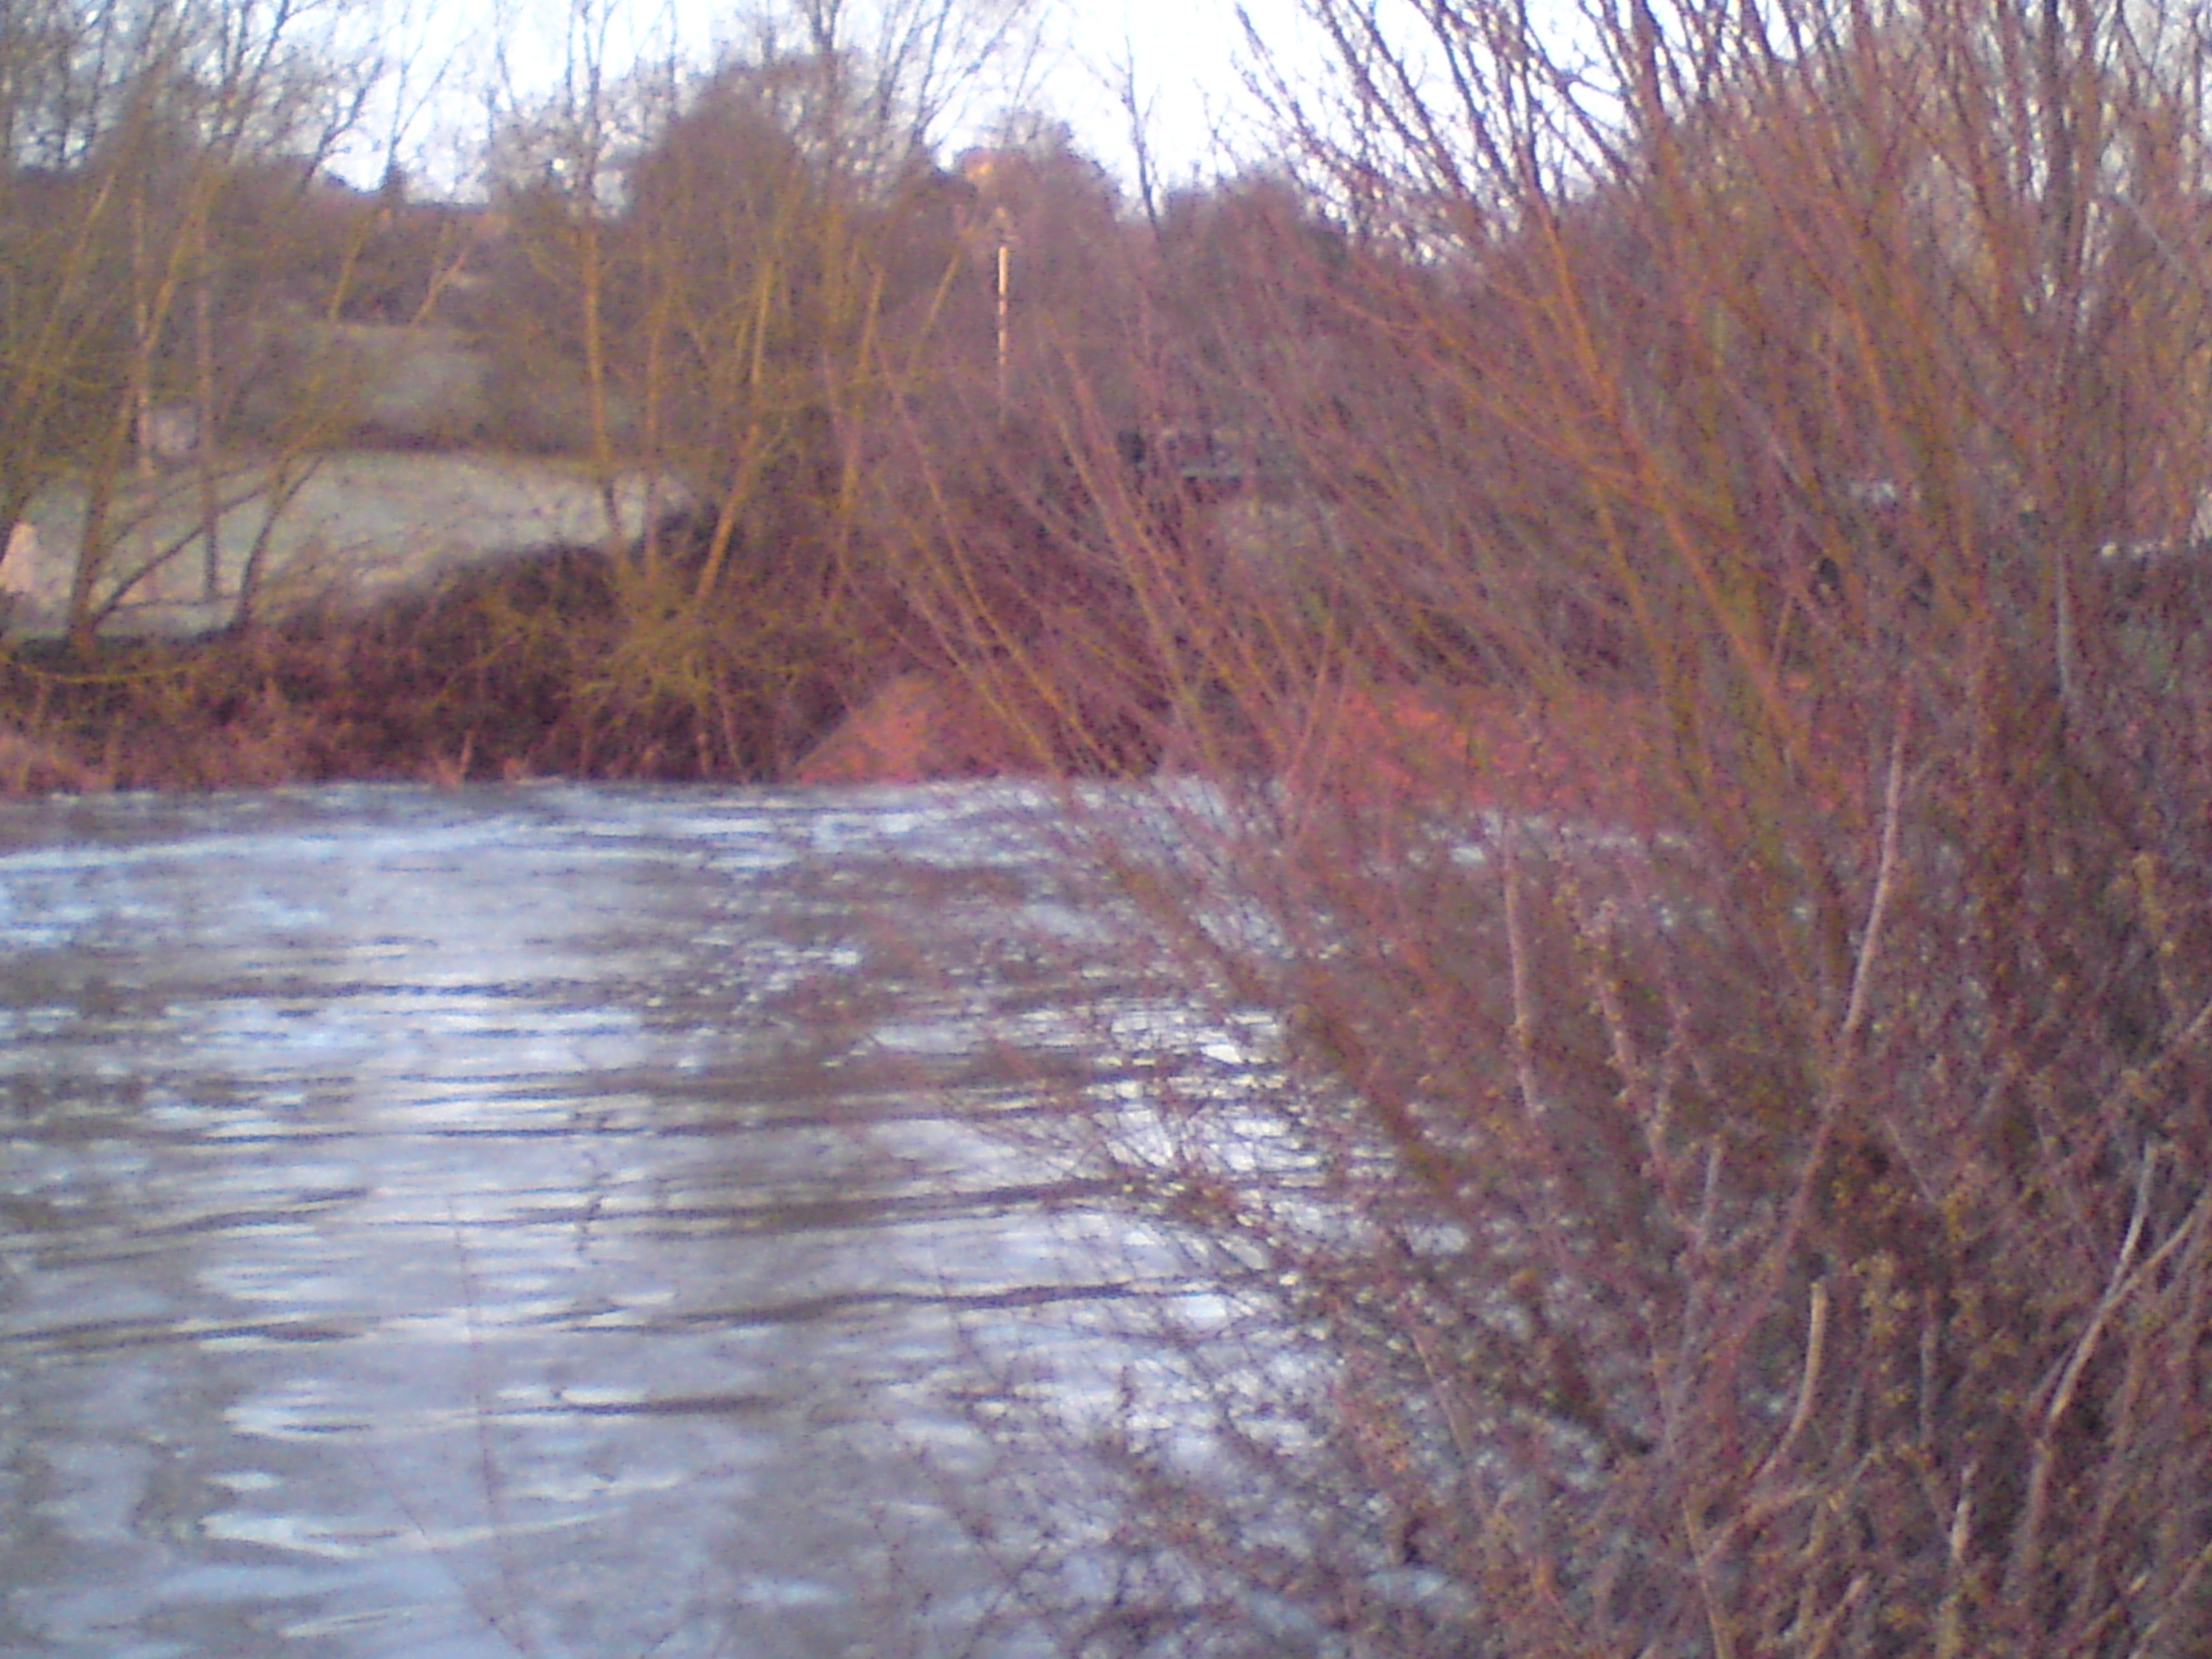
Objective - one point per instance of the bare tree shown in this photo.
(126, 127)
(745, 265)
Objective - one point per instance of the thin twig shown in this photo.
(2126, 1278)
(1808, 1381)
(1523, 1034)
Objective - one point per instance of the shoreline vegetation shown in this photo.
(375, 698)
(1786, 429)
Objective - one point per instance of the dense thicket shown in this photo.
(1785, 1232)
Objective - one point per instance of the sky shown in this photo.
(1186, 56)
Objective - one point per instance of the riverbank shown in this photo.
(505, 679)
(485, 659)
(506, 673)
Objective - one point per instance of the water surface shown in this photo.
(554, 1220)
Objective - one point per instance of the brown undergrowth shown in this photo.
(564, 665)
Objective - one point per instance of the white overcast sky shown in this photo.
(1187, 55)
